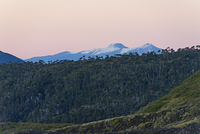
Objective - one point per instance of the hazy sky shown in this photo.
(31, 28)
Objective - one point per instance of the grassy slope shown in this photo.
(186, 95)
(18, 127)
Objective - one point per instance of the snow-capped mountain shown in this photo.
(111, 50)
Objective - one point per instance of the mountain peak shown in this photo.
(147, 45)
(118, 45)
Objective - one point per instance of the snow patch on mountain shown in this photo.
(90, 51)
(106, 50)
(125, 50)
(72, 53)
(110, 48)
(117, 45)
(141, 49)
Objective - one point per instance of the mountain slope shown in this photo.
(6, 58)
(89, 90)
(186, 95)
(176, 112)
(111, 50)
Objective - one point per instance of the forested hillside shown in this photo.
(93, 89)
(175, 113)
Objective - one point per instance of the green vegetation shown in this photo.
(93, 89)
(22, 127)
(177, 110)
(187, 96)
(96, 89)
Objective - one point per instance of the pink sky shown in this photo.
(31, 28)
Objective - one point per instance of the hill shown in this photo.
(29, 93)
(90, 90)
(186, 96)
(111, 50)
(6, 58)
(176, 112)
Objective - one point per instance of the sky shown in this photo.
(30, 28)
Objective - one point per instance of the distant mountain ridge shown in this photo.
(111, 50)
(6, 58)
